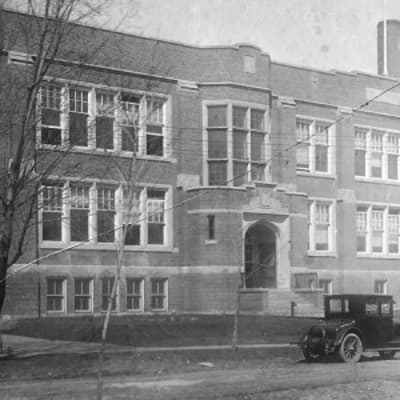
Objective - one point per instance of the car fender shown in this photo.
(344, 330)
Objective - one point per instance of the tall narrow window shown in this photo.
(257, 145)
(393, 156)
(83, 294)
(106, 291)
(155, 216)
(55, 295)
(393, 230)
(376, 154)
(360, 152)
(321, 140)
(105, 214)
(50, 115)
(154, 127)
(134, 294)
(240, 145)
(159, 294)
(52, 213)
(321, 226)
(78, 117)
(104, 120)
(303, 137)
(130, 105)
(362, 229)
(79, 213)
(132, 217)
(377, 230)
(211, 227)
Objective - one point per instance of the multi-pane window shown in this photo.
(134, 294)
(320, 226)
(132, 217)
(55, 294)
(105, 214)
(78, 117)
(130, 107)
(154, 127)
(236, 142)
(159, 291)
(52, 212)
(83, 294)
(106, 291)
(104, 120)
(376, 154)
(79, 213)
(325, 285)
(50, 103)
(314, 146)
(380, 287)
(155, 216)
(378, 229)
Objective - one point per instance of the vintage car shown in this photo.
(353, 324)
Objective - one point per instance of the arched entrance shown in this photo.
(260, 257)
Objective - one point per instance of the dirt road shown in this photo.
(370, 379)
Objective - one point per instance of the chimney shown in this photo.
(389, 60)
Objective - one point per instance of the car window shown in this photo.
(371, 309)
(385, 308)
(335, 305)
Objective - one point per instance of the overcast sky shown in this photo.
(327, 34)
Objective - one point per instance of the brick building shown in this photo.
(281, 176)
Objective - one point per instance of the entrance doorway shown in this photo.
(260, 257)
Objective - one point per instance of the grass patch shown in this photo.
(165, 330)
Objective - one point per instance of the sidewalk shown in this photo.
(25, 347)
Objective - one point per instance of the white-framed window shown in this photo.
(95, 212)
(378, 229)
(50, 124)
(159, 294)
(134, 294)
(321, 226)
(236, 144)
(55, 294)
(83, 294)
(315, 146)
(376, 153)
(380, 287)
(107, 284)
(104, 119)
(326, 285)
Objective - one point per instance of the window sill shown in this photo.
(207, 242)
(379, 256)
(316, 175)
(105, 246)
(314, 253)
(377, 180)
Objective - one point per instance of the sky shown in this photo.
(323, 34)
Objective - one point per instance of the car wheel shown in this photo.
(351, 348)
(387, 354)
(311, 356)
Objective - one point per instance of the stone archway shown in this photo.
(260, 257)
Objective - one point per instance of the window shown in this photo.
(105, 214)
(106, 291)
(132, 217)
(236, 140)
(321, 226)
(55, 295)
(129, 122)
(154, 127)
(50, 115)
(78, 117)
(79, 219)
(378, 229)
(249, 64)
(159, 288)
(104, 120)
(380, 287)
(376, 154)
(134, 294)
(83, 294)
(211, 227)
(325, 285)
(52, 212)
(314, 146)
(155, 216)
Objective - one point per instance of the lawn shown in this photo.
(163, 330)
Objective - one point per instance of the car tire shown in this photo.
(310, 356)
(351, 348)
(387, 354)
